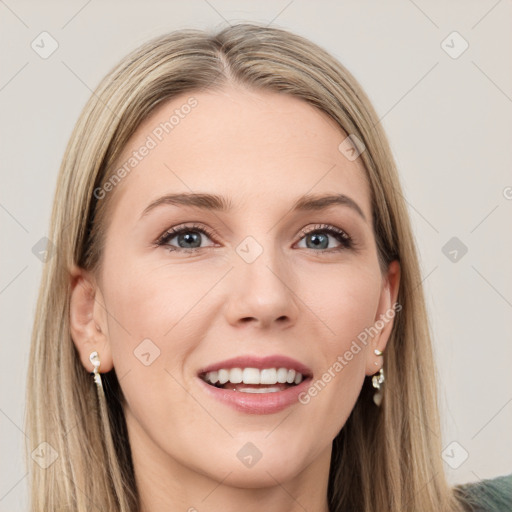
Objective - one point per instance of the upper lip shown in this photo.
(273, 361)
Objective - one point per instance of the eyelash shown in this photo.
(341, 236)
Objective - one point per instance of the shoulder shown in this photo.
(492, 495)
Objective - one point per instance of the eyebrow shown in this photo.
(214, 202)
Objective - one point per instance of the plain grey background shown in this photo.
(447, 110)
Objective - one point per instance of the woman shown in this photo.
(236, 270)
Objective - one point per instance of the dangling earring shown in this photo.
(377, 380)
(95, 360)
(104, 420)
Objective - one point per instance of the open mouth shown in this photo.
(253, 380)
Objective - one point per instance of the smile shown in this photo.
(256, 385)
(253, 380)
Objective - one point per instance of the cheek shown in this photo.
(152, 331)
(343, 302)
(151, 300)
(154, 326)
(347, 306)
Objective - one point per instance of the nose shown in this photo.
(262, 293)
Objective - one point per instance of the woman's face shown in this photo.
(263, 279)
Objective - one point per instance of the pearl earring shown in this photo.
(377, 380)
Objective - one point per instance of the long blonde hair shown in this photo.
(385, 458)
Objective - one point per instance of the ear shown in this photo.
(384, 319)
(88, 320)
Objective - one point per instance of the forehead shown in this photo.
(260, 149)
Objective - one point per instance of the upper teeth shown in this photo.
(254, 376)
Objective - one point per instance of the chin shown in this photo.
(258, 464)
(262, 474)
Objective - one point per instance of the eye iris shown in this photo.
(318, 240)
(190, 237)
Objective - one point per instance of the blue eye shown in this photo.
(189, 236)
(319, 238)
(189, 239)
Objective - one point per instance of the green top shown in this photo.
(493, 495)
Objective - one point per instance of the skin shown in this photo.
(262, 150)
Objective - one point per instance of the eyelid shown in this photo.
(325, 227)
(176, 230)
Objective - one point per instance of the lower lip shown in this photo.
(257, 403)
